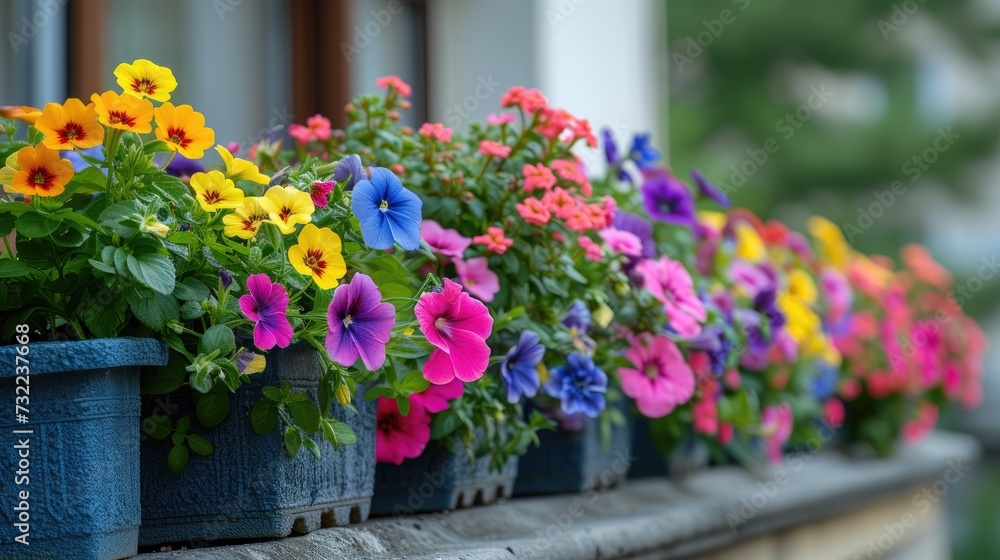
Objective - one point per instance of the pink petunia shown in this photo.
(478, 279)
(494, 239)
(437, 131)
(395, 82)
(593, 250)
(458, 325)
(620, 241)
(495, 149)
(705, 417)
(833, 412)
(447, 242)
(399, 437)
(266, 305)
(435, 398)
(776, 425)
(538, 177)
(501, 119)
(534, 212)
(320, 191)
(661, 379)
(670, 283)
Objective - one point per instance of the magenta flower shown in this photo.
(360, 324)
(478, 279)
(436, 397)
(320, 192)
(399, 437)
(266, 305)
(447, 242)
(670, 283)
(458, 326)
(661, 379)
(621, 241)
(776, 427)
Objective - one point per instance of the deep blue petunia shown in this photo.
(610, 146)
(577, 317)
(519, 368)
(824, 381)
(579, 384)
(642, 152)
(708, 190)
(349, 172)
(388, 212)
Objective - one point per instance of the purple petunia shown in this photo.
(360, 323)
(519, 367)
(266, 305)
(641, 228)
(708, 190)
(349, 172)
(667, 199)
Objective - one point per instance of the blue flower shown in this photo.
(708, 190)
(824, 382)
(577, 317)
(610, 147)
(387, 211)
(349, 172)
(579, 384)
(642, 152)
(518, 368)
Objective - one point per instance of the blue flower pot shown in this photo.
(250, 488)
(575, 461)
(80, 463)
(689, 455)
(438, 480)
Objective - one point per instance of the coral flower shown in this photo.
(360, 324)
(538, 177)
(495, 149)
(244, 222)
(143, 78)
(123, 112)
(388, 212)
(320, 191)
(317, 127)
(494, 240)
(501, 119)
(534, 212)
(447, 242)
(396, 83)
(266, 305)
(318, 254)
(437, 131)
(399, 437)
(478, 279)
(240, 169)
(458, 326)
(183, 129)
(214, 192)
(23, 113)
(593, 250)
(40, 172)
(69, 126)
(287, 206)
(670, 283)
(661, 380)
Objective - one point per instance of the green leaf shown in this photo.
(306, 415)
(191, 310)
(212, 408)
(79, 219)
(338, 433)
(102, 267)
(311, 446)
(122, 218)
(165, 379)
(292, 440)
(10, 268)
(200, 445)
(264, 416)
(191, 289)
(120, 257)
(35, 224)
(7, 221)
(406, 348)
(444, 424)
(154, 311)
(219, 337)
(380, 391)
(274, 393)
(404, 404)
(153, 270)
(178, 458)
(158, 427)
(414, 382)
(183, 425)
(201, 380)
(155, 146)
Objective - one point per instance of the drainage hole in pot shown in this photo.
(328, 518)
(300, 526)
(356, 514)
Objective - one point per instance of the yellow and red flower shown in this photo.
(183, 129)
(287, 206)
(318, 255)
(69, 126)
(214, 192)
(240, 169)
(142, 79)
(41, 172)
(123, 112)
(244, 222)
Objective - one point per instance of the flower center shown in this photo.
(441, 324)
(314, 260)
(144, 85)
(211, 197)
(652, 371)
(41, 177)
(252, 223)
(348, 321)
(666, 205)
(121, 117)
(178, 136)
(384, 206)
(285, 213)
(72, 131)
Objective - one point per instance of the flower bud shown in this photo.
(393, 115)
(225, 277)
(343, 394)
(154, 226)
(397, 169)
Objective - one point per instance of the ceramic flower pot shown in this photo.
(689, 455)
(575, 461)
(250, 487)
(71, 486)
(438, 480)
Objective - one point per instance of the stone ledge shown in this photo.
(649, 518)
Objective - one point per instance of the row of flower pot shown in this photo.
(90, 481)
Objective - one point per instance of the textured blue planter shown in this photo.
(250, 488)
(567, 462)
(440, 480)
(83, 477)
(690, 454)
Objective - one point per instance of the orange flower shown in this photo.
(41, 172)
(69, 126)
(143, 78)
(123, 112)
(183, 129)
(22, 113)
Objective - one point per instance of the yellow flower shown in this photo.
(154, 226)
(833, 249)
(318, 255)
(24, 113)
(142, 78)
(257, 364)
(69, 126)
(215, 192)
(183, 129)
(7, 173)
(714, 220)
(801, 286)
(803, 324)
(287, 206)
(123, 112)
(749, 246)
(240, 169)
(603, 315)
(543, 372)
(245, 221)
(41, 172)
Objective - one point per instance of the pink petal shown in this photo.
(438, 369)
